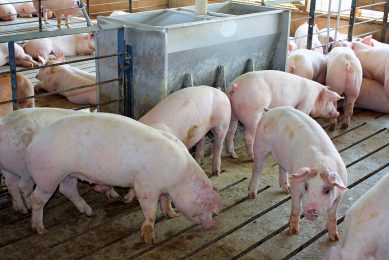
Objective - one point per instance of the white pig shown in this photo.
(24, 9)
(65, 77)
(123, 152)
(372, 96)
(303, 149)
(344, 76)
(21, 58)
(7, 11)
(301, 37)
(292, 46)
(366, 226)
(69, 45)
(17, 130)
(308, 64)
(375, 63)
(189, 114)
(250, 93)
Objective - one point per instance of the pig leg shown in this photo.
(26, 186)
(67, 21)
(230, 136)
(219, 134)
(259, 161)
(12, 180)
(109, 191)
(68, 187)
(295, 212)
(166, 207)
(200, 150)
(129, 196)
(59, 20)
(333, 120)
(38, 200)
(148, 200)
(331, 221)
(348, 107)
(283, 180)
(249, 136)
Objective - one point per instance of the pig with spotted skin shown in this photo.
(250, 93)
(122, 153)
(17, 129)
(318, 173)
(366, 226)
(344, 76)
(21, 58)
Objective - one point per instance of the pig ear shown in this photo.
(91, 36)
(210, 200)
(60, 57)
(302, 174)
(328, 95)
(41, 59)
(334, 179)
(367, 40)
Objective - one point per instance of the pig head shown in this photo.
(324, 104)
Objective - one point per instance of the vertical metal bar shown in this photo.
(88, 6)
(311, 23)
(12, 68)
(40, 14)
(352, 20)
(385, 22)
(128, 83)
(121, 81)
(130, 5)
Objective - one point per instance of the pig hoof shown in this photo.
(344, 126)
(334, 237)
(40, 229)
(252, 195)
(331, 128)
(170, 214)
(234, 155)
(21, 210)
(128, 198)
(148, 234)
(216, 173)
(286, 188)
(111, 193)
(293, 229)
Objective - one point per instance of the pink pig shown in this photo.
(304, 150)
(131, 154)
(250, 93)
(21, 58)
(308, 64)
(189, 114)
(344, 76)
(65, 77)
(301, 37)
(372, 96)
(7, 11)
(25, 9)
(366, 226)
(69, 45)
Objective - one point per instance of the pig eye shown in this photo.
(326, 191)
(306, 186)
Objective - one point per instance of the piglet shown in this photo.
(65, 77)
(21, 58)
(344, 76)
(372, 96)
(24, 89)
(250, 93)
(135, 155)
(303, 149)
(69, 45)
(366, 226)
(301, 38)
(308, 64)
(7, 11)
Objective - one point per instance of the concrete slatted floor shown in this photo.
(246, 229)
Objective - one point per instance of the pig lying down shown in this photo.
(301, 37)
(303, 149)
(7, 11)
(122, 153)
(250, 93)
(21, 58)
(366, 226)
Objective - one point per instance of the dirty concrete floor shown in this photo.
(246, 229)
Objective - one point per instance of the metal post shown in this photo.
(12, 68)
(352, 20)
(84, 13)
(129, 92)
(385, 22)
(311, 23)
(88, 6)
(40, 14)
(130, 6)
(121, 70)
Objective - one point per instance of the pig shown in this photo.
(21, 58)
(292, 46)
(64, 77)
(301, 38)
(60, 8)
(7, 11)
(308, 64)
(69, 45)
(17, 130)
(344, 76)
(372, 96)
(340, 38)
(318, 173)
(366, 226)
(24, 89)
(25, 9)
(250, 93)
(118, 12)
(375, 63)
(135, 155)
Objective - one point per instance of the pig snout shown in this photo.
(311, 214)
(207, 221)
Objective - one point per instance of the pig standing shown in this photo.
(375, 63)
(250, 93)
(7, 11)
(303, 149)
(69, 45)
(123, 152)
(21, 58)
(372, 96)
(65, 77)
(24, 89)
(308, 64)
(366, 226)
(344, 76)
(17, 131)
(301, 38)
